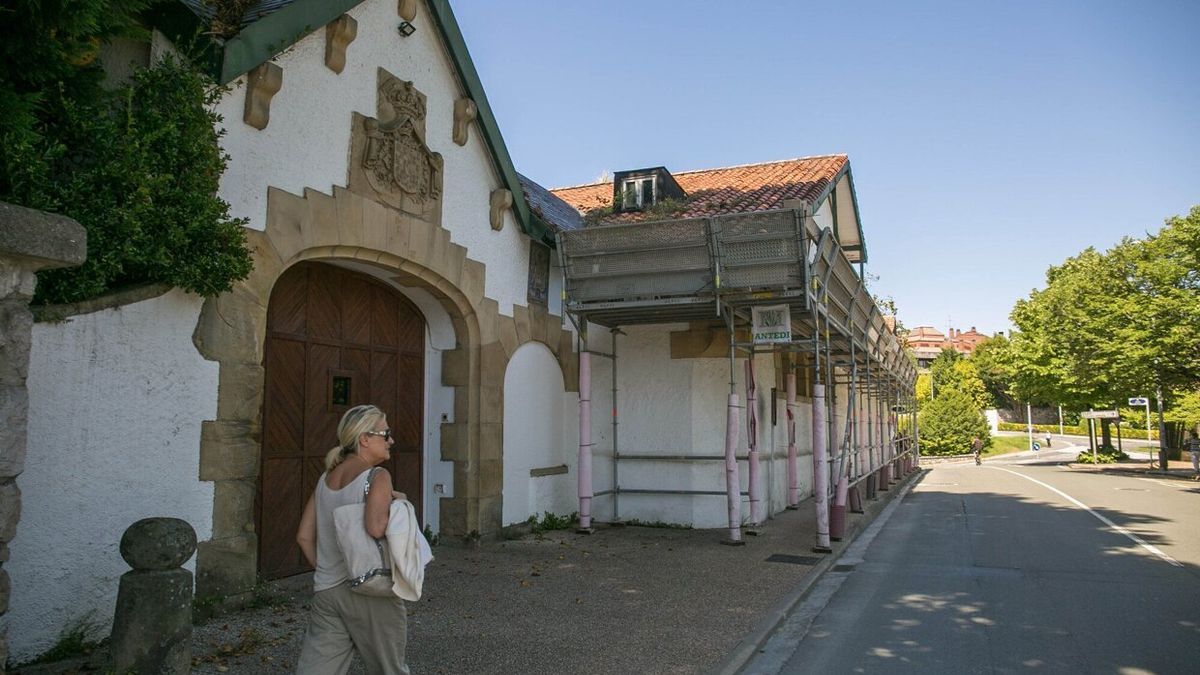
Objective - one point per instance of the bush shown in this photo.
(1105, 455)
(137, 165)
(949, 422)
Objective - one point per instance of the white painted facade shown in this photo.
(307, 143)
(116, 398)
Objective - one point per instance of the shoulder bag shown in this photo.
(367, 558)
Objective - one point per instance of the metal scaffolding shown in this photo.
(700, 269)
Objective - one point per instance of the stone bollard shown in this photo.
(152, 627)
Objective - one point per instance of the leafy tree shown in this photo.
(993, 359)
(136, 164)
(1113, 324)
(923, 388)
(949, 422)
(950, 370)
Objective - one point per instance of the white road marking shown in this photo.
(1136, 539)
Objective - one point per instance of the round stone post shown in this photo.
(152, 627)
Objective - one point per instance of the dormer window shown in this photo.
(637, 193)
(642, 188)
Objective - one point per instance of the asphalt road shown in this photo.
(1019, 565)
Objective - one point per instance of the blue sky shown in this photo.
(988, 140)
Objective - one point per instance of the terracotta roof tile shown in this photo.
(735, 189)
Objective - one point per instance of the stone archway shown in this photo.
(413, 252)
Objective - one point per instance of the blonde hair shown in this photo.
(357, 421)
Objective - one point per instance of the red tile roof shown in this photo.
(735, 189)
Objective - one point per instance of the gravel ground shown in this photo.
(625, 599)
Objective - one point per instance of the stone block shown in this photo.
(464, 399)
(397, 234)
(488, 316)
(524, 324)
(267, 266)
(439, 241)
(508, 334)
(16, 326)
(491, 441)
(231, 328)
(226, 566)
(158, 544)
(228, 450)
(452, 265)
(376, 224)
(492, 364)
(40, 240)
(152, 625)
(491, 404)
(552, 324)
(453, 517)
(233, 507)
(464, 483)
(537, 323)
(454, 442)
(419, 233)
(240, 392)
(491, 477)
(456, 365)
(10, 510)
(490, 514)
(16, 282)
(472, 284)
(287, 220)
(14, 415)
(323, 226)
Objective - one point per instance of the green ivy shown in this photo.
(137, 165)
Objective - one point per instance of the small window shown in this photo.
(637, 193)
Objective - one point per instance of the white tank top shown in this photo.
(331, 564)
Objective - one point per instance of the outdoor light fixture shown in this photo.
(406, 28)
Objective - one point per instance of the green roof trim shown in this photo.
(457, 48)
(258, 42)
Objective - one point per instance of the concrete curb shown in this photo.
(753, 640)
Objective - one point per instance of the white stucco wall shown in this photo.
(537, 416)
(307, 142)
(115, 403)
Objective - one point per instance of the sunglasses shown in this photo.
(386, 433)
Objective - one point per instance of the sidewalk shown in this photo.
(623, 600)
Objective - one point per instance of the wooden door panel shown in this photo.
(385, 318)
(282, 505)
(406, 477)
(356, 310)
(410, 397)
(383, 384)
(324, 305)
(320, 418)
(410, 329)
(286, 310)
(284, 421)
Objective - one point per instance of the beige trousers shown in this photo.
(342, 622)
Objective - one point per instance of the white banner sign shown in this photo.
(771, 324)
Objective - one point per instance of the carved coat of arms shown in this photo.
(390, 154)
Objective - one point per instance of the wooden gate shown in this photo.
(335, 339)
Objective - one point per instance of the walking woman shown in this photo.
(342, 621)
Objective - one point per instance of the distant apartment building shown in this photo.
(926, 342)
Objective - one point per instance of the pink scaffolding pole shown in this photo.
(585, 438)
(820, 469)
(793, 472)
(756, 517)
